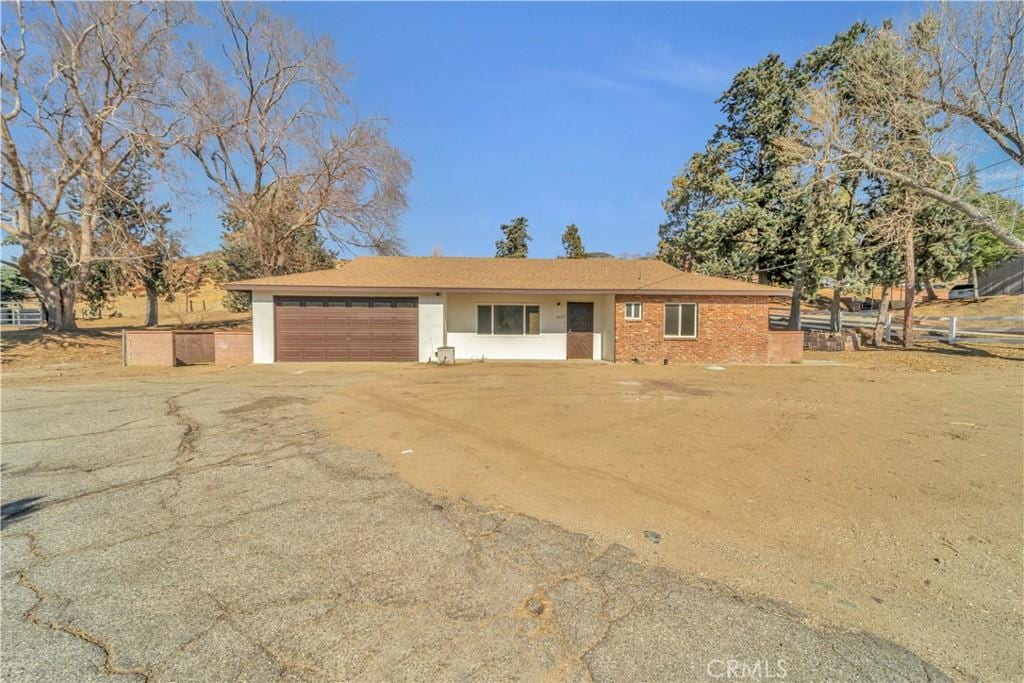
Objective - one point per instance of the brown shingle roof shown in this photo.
(498, 274)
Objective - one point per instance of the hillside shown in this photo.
(1011, 305)
(204, 307)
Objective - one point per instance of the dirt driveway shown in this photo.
(881, 494)
(198, 524)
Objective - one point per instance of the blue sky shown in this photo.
(558, 112)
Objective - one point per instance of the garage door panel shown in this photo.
(337, 329)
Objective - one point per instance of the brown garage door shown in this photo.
(337, 329)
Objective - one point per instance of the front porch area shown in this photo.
(528, 326)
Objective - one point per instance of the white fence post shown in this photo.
(888, 327)
(951, 336)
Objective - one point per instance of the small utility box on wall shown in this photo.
(446, 355)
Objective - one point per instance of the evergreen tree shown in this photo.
(572, 242)
(152, 246)
(133, 243)
(515, 238)
(242, 256)
(881, 260)
(739, 207)
(13, 287)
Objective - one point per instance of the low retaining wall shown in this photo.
(147, 347)
(786, 347)
(180, 347)
(233, 348)
(193, 348)
(820, 340)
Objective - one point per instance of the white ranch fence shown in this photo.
(950, 329)
(21, 316)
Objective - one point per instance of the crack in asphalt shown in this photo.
(186, 444)
(76, 632)
(531, 583)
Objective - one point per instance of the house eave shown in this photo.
(341, 290)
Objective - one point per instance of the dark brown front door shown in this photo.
(580, 338)
(338, 329)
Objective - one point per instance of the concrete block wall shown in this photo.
(232, 348)
(156, 347)
(149, 347)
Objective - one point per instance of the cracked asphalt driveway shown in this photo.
(197, 525)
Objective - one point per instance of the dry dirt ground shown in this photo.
(878, 492)
(197, 524)
(882, 492)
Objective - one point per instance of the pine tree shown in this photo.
(133, 243)
(154, 246)
(299, 251)
(514, 243)
(572, 242)
(13, 287)
(739, 207)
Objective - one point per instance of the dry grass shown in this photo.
(98, 341)
(1010, 305)
(202, 308)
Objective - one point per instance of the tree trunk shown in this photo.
(974, 283)
(932, 296)
(50, 298)
(57, 302)
(833, 311)
(794, 305)
(883, 312)
(67, 304)
(152, 310)
(908, 293)
(835, 322)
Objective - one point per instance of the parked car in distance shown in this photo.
(961, 292)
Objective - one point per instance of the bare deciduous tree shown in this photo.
(973, 55)
(850, 127)
(275, 123)
(82, 94)
(886, 112)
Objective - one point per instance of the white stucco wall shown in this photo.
(431, 321)
(450, 320)
(604, 327)
(262, 327)
(550, 344)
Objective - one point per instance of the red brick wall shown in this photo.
(729, 328)
(785, 347)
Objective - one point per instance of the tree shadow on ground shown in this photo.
(36, 341)
(18, 509)
(955, 350)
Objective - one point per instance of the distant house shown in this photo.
(390, 308)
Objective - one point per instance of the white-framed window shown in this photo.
(634, 310)
(681, 321)
(508, 319)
